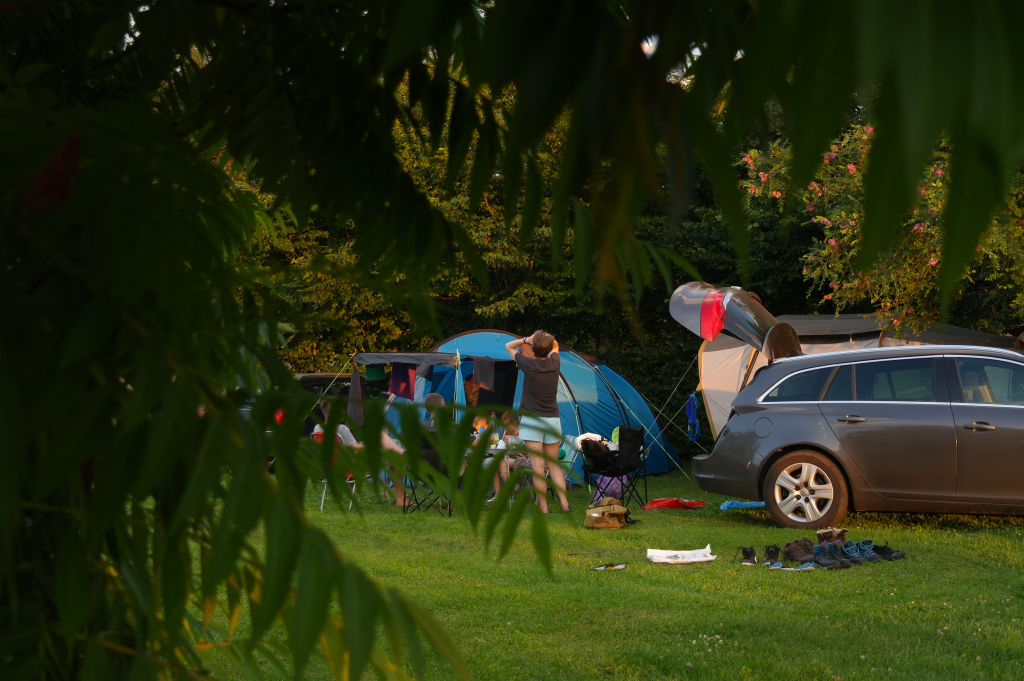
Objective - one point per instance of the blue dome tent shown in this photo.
(592, 398)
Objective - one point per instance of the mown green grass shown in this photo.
(951, 610)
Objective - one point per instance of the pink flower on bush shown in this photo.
(868, 129)
(897, 321)
(852, 168)
(934, 261)
(752, 190)
(919, 227)
(810, 207)
(833, 244)
(832, 154)
(828, 297)
(763, 176)
(938, 171)
(833, 285)
(777, 194)
(921, 191)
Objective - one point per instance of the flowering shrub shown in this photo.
(902, 287)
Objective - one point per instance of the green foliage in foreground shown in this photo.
(125, 306)
(957, 598)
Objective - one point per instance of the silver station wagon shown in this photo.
(916, 428)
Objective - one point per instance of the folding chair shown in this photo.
(423, 494)
(603, 466)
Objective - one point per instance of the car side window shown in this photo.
(803, 387)
(903, 380)
(840, 389)
(989, 381)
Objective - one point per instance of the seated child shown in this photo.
(518, 459)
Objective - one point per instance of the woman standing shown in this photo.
(542, 433)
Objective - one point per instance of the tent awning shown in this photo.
(435, 358)
(856, 326)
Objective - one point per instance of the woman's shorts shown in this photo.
(544, 429)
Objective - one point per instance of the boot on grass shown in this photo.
(867, 549)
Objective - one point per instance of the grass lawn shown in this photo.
(951, 610)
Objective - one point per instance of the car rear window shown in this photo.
(803, 387)
(903, 380)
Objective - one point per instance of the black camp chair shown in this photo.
(422, 492)
(630, 461)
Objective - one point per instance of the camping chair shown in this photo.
(350, 479)
(602, 466)
(422, 492)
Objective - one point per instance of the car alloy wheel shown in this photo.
(805, 489)
(803, 492)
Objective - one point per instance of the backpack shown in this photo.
(606, 514)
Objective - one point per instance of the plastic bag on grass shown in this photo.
(696, 556)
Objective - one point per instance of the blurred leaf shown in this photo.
(72, 584)
(359, 606)
(284, 536)
(512, 520)
(583, 235)
(541, 541)
(318, 566)
(531, 204)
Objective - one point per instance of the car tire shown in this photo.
(806, 490)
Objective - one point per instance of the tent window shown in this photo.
(803, 387)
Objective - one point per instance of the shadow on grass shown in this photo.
(881, 520)
(934, 521)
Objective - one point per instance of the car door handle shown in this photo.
(978, 425)
(849, 418)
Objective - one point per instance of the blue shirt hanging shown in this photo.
(693, 425)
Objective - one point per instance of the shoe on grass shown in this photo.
(823, 557)
(889, 554)
(749, 556)
(852, 553)
(800, 551)
(803, 568)
(837, 555)
(824, 534)
(839, 534)
(867, 549)
(771, 557)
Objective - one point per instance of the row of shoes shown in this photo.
(833, 551)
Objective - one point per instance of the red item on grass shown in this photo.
(672, 503)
